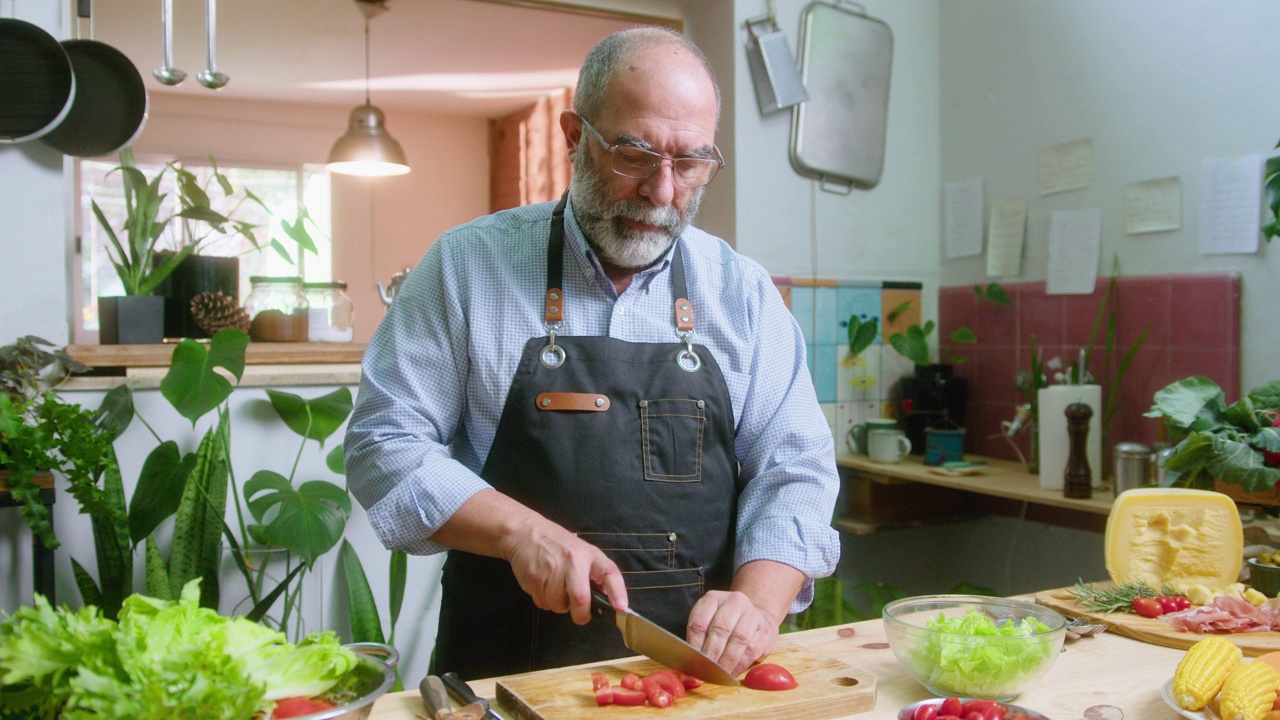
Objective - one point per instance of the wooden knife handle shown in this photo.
(434, 696)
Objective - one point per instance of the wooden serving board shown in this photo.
(1153, 630)
(827, 688)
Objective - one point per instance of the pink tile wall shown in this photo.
(1193, 328)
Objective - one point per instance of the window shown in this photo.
(278, 188)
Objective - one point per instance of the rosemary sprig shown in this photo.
(1113, 598)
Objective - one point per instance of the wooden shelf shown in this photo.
(257, 353)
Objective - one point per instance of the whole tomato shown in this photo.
(925, 712)
(1147, 607)
(951, 706)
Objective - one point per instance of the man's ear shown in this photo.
(571, 126)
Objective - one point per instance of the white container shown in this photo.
(1055, 443)
(329, 312)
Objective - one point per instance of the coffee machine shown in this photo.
(932, 397)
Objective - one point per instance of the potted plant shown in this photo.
(1230, 448)
(1271, 187)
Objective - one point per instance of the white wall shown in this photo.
(1157, 86)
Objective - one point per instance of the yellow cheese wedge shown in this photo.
(1175, 536)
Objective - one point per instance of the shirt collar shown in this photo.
(589, 263)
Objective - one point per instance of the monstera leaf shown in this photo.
(307, 521)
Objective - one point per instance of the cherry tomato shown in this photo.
(1180, 603)
(925, 712)
(604, 696)
(628, 696)
(1147, 607)
(599, 680)
(993, 713)
(973, 715)
(951, 706)
(979, 705)
(767, 676)
(1167, 603)
(298, 706)
(950, 717)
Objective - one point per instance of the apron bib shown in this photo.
(628, 445)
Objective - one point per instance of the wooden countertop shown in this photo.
(256, 353)
(1000, 478)
(1102, 670)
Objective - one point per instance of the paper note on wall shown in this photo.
(962, 206)
(1008, 227)
(1231, 205)
(1066, 167)
(1075, 242)
(1153, 206)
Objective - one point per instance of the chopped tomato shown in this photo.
(768, 676)
(669, 682)
(656, 695)
(599, 680)
(690, 682)
(631, 681)
(604, 696)
(627, 696)
(298, 706)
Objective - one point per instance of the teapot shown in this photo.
(388, 294)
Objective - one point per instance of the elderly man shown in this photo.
(593, 394)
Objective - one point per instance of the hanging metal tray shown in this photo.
(838, 134)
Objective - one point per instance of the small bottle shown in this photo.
(329, 312)
(277, 308)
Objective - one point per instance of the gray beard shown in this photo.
(600, 218)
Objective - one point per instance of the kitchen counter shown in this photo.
(1102, 670)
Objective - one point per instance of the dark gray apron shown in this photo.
(630, 446)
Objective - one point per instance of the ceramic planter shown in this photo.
(130, 319)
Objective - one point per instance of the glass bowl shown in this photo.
(951, 644)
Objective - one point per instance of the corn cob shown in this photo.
(1202, 671)
(1248, 692)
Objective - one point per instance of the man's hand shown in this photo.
(558, 570)
(729, 629)
(738, 627)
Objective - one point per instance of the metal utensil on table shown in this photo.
(1081, 627)
(652, 640)
(167, 73)
(434, 697)
(210, 77)
(475, 707)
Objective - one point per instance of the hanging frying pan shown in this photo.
(36, 82)
(110, 106)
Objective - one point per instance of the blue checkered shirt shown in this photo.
(437, 371)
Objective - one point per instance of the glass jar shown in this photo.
(329, 312)
(277, 308)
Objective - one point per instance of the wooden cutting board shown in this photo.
(827, 689)
(1153, 630)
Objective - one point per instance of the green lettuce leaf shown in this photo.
(965, 655)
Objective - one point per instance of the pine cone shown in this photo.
(214, 311)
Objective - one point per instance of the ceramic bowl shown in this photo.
(990, 666)
(1264, 578)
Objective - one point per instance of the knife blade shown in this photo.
(654, 641)
(463, 692)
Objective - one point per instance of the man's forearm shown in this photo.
(487, 523)
(772, 586)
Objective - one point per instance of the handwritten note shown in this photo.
(1075, 241)
(1008, 227)
(1231, 205)
(1066, 167)
(962, 204)
(1153, 206)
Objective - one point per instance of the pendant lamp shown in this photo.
(367, 148)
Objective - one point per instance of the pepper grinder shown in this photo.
(1077, 480)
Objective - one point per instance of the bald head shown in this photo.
(643, 50)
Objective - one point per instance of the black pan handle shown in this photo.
(601, 608)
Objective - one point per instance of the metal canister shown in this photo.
(1132, 465)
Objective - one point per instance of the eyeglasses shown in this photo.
(633, 162)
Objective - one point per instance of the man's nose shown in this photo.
(660, 187)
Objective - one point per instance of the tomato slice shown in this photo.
(299, 706)
(627, 696)
(599, 680)
(656, 695)
(768, 676)
(631, 681)
(690, 682)
(604, 696)
(669, 682)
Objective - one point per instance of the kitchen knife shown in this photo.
(434, 696)
(652, 640)
(463, 692)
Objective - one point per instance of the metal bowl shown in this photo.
(370, 679)
(1010, 711)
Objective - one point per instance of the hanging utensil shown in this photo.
(210, 77)
(110, 105)
(167, 73)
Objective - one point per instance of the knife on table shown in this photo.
(463, 692)
(654, 641)
(434, 697)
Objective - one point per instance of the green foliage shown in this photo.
(1221, 441)
(862, 334)
(913, 343)
(1271, 187)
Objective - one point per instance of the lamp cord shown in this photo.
(366, 61)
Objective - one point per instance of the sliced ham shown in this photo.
(1225, 615)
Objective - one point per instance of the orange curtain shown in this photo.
(528, 159)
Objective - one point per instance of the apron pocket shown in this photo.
(665, 596)
(671, 439)
(636, 551)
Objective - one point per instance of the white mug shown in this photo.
(887, 445)
(856, 438)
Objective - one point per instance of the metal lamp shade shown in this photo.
(366, 148)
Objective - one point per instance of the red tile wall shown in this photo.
(1193, 328)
